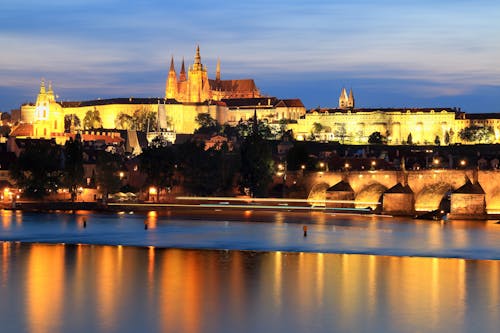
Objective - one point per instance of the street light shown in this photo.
(463, 163)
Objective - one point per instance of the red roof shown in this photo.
(22, 130)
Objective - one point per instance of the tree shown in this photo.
(144, 120)
(5, 130)
(409, 140)
(69, 120)
(376, 138)
(92, 120)
(297, 156)
(158, 163)
(73, 165)
(317, 128)
(107, 173)
(124, 121)
(340, 132)
(38, 168)
(478, 134)
(205, 120)
(246, 129)
(447, 138)
(257, 166)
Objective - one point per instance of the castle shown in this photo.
(186, 96)
(230, 101)
(196, 87)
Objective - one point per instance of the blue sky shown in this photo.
(392, 53)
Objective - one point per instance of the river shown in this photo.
(246, 272)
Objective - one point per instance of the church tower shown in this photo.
(171, 86)
(217, 71)
(198, 85)
(350, 100)
(346, 101)
(48, 117)
(343, 99)
(182, 75)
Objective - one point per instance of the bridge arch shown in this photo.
(493, 201)
(317, 194)
(372, 192)
(432, 196)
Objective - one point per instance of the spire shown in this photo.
(217, 71)
(182, 75)
(171, 84)
(350, 101)
(343, 99)
(343, 94)
(197, 58)
(172, 66)
(42, 87)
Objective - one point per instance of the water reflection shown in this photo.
(61, 288)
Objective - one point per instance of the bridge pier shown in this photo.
(426, 191)
(399, 200)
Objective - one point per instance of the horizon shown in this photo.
(392, 54)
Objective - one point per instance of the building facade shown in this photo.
(347, 124)
(192, 92)
(186, 96)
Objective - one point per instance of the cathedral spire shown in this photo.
(217, 71)
(182, 75)
(171, 84)
(197, 58)
(172, 66)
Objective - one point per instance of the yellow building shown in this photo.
(227, 101)
(347, 124)
(230, 101)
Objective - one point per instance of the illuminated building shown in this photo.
(351, 125)
(192, 93)
(186, 96)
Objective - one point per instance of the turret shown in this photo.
(198, 84)
(350, 101)
(217, 71)
(171, 85)
(343, 99)
(182, 75)
(197, 66)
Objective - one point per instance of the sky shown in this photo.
(392, 53)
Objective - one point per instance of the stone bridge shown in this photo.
(473, 194)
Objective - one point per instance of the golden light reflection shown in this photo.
(151, 220)
(5, 263)
(45, 287)
(151, 264)
(6, 219)
(19, 217)
(277, 276)
(181, 291)
(108, 281)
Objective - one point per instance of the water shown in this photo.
(94, 288)
(239, 230)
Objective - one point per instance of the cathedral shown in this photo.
(196, 87)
